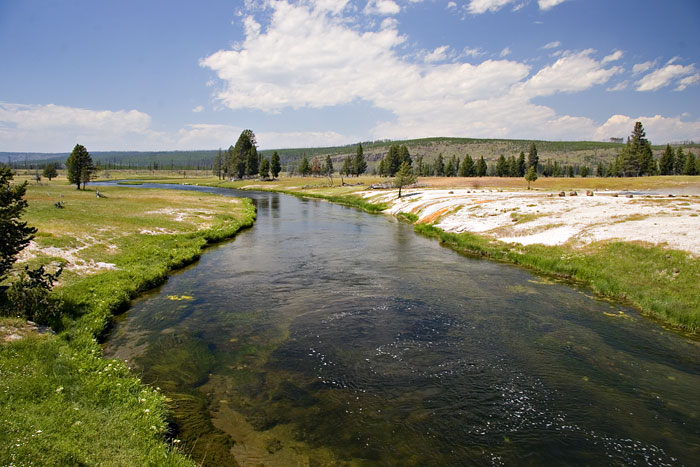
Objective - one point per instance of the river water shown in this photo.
(328, 336)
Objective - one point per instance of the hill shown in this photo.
(565, 152)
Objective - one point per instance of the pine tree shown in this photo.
(600, 170)
(531, 175)
(275, 166)
(381, 169)
(264, 171)
(346, 169)
(522, 166)
(244, 158)
(667, 162)
(392, 160)
(50, 171)
(533, 160)
(328, 166)
(359, 164)
(404, 177)
(467, 168)
(79, 166)
(481, 167)
(218, 164)
(679, 165)
(440, 166)
(690, 164)
(15, 234)
(449, 168)
(501, 166)
(404, 156)
(304, 166)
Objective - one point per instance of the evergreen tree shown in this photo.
(481, 167)
(690, 165)
(79, 166)
(392, 160)
(647, 163)
(600, 170)
(533, 160)
(304, 166)
(381, 169)
(275, 166)
(50, 171)
(679, 165)
(404, 176)
(467, 168)
(15, 234)
(522, 166)
(440, 166)
(585, 171)
(218, 164)
(667, 162)
(404, 156)
(328, 166)
(531, 175)
(359, 164)
(512, 167)
(501, 169)
(420, 166)
(449, 168)
(347, 166)
(570, 171)
(264, 171)
(244, 160)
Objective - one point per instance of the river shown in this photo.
(328, 336)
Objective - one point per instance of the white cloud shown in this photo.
(621, 86)
(573, 72)
(613, 57)
(52, 127)
(505, 52)
(551, 45)
(688, 81)
(659, 129)
(382, 7)
(437, 55)
(476, 7)
(664, 76)
(303, 57)
(473, 52)
(198, 109)
(642, 67)
(547, 4)
(451, 5)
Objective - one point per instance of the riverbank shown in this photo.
(62, 403)
(641, 250)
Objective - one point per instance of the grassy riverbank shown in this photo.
(60, 402)
(660, 282)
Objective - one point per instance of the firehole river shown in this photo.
(328, 336)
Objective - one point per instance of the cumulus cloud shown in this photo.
(48, 127)
(621, 86)
(548, 4)
(382, 7)
(573, 72)
(437, 55)
(477, 7)
(658, 128)
(666, 75)
(642, 67)
(304, 57)
(473, 52)
(613, 57)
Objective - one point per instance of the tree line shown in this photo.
(242, 160)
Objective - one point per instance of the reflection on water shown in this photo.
(326, 336)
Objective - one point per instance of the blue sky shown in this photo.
(149, 75)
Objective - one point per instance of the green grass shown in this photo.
(61, 403)
(661, 283)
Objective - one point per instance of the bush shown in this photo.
(29, 297)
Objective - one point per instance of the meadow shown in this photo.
(61, 403)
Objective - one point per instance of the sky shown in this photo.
(179, 75)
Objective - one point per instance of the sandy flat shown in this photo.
(528, 217)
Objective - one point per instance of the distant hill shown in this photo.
(565, 152)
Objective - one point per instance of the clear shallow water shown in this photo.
(328, 336)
